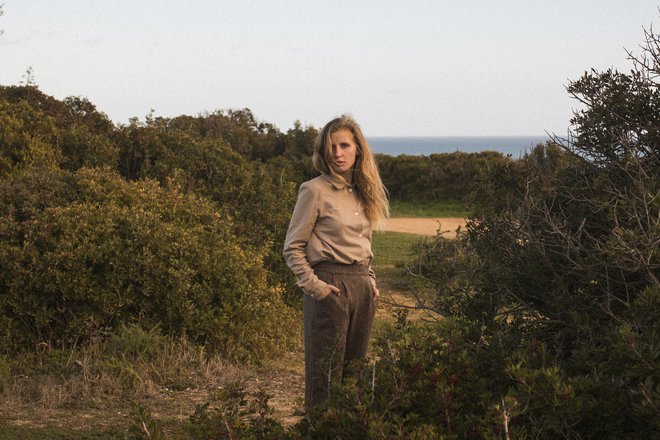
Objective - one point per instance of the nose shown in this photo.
(336, 152)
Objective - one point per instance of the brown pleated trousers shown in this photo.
(336, 328)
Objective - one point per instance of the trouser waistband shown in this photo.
(339, 268)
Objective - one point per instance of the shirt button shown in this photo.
(357, 213)
(359, 235)
(350, 190)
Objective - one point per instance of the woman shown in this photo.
(328, 247)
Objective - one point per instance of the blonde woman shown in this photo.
(328, 248)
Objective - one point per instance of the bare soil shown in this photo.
(426, 226)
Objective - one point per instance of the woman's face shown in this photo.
(344, 153)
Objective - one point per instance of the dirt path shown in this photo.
(426, 226)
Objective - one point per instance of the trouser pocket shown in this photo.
(336, 331)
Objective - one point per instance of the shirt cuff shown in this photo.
(316, 290)
(372, 277)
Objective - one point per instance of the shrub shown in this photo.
(38, 129)
(27, 137)
(231, 413)
(107, 252)
(260, 197)
(435, 178)
(426, 380)
(552, 295)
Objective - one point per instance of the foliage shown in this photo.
(41, 136)
(26, 138)
(87, 251)
(230, 413)
(550, 300)
(435, 178)
(427, 381)
(560, 267)
(238, 128)
(259, 197)
(40, 130)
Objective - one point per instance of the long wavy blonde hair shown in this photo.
(366, 179)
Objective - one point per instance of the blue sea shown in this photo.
(516, 146)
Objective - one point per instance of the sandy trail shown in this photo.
(425, 226)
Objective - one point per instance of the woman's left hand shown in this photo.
(375, 293)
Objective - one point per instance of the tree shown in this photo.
(550, 300)
(562, 279)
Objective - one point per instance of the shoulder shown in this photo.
(315, 185)
(310, 192)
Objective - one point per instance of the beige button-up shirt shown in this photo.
(328, 224)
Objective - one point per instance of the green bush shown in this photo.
(551, 298)
(106, 252)
(260, 197)
(27, 137)
(428, 380)
(436, 178)
(232, 413)
(39, 129)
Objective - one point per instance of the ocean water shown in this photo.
(418, 146)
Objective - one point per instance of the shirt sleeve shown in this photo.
(372, 277)
(300, 230)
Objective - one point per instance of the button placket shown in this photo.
(356, 212)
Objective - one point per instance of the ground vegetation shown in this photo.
(139, 258)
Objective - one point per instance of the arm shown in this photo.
(300, 230)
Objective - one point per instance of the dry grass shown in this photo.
(96, 388)
(97, 373)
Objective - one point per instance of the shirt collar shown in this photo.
(336, 181)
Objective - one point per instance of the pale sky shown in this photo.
(401, 68)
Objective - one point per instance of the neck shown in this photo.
(348, 177)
